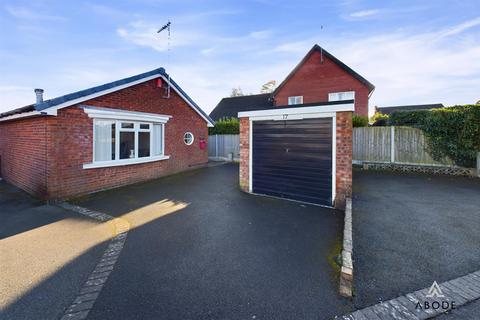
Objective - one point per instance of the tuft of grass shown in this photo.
(335, 256)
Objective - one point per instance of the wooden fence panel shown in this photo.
(222, 145)
(411, 147)
(371, 144)
(374, 144)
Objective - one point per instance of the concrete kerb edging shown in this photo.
(456, 292)
(86, 297)
(346, 272)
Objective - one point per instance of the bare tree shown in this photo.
(236, 92)
(268, 87)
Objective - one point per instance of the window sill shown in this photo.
(125, 162)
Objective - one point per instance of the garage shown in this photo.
(300, 153)
(293, 159)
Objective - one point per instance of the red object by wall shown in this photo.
(203, 144)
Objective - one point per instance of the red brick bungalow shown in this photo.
(115, 134)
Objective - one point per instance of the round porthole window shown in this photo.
(188, 138)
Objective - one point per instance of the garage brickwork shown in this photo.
(315, 79)
(343, 158)
(68, 143)
(244, 153)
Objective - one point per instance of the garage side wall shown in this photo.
(23, 154)
(244, 153)
(343, 158)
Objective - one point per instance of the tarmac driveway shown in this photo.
(46, 253)
(199, 248)
(410, 230)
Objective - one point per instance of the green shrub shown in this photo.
(379, 119)
(408, 118)
(452, 132)
(359, 121)
(225, 126)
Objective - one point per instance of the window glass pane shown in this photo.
(188, 138)
(144, 126)
(104, 140)
(157, 140)
(143, 144)
(127, 145)
(127, 125)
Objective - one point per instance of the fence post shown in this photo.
(392, 144)
(478, 164)
(216, 146)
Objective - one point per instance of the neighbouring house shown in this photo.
(318, 78)
(126, 131)
(413, 107)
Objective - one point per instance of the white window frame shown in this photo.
(295, 100)
(337, 96)
(118, 117)
(193, 138)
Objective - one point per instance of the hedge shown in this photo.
(225, 126)
(359, 121)
(452, 132)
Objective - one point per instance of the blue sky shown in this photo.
(412, 51)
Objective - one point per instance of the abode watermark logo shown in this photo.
(436, 299)
(435, 291)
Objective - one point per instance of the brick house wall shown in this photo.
(69, 144)
(23, 153)
(314, 80)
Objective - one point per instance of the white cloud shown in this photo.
(364, 13)
(417, 68)
(28, 14)
(460, 28)
(263, 34)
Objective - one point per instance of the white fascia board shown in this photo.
(22, 115)
(298, 110)
(300, 116)
(116, 114)
(53, 110)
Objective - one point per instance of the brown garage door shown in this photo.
(293, 159)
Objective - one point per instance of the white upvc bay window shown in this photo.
(125, 137)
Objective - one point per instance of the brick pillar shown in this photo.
(344, 159)
(244, 153)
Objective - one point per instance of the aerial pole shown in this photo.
(167, 27)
